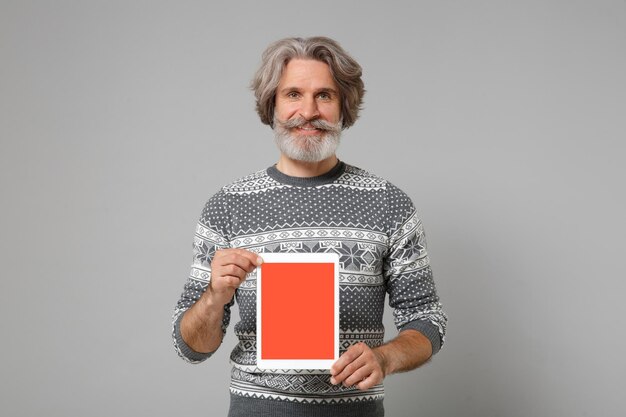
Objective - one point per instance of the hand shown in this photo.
(360, 365)
(228, 270)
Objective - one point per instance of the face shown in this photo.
(307, 114)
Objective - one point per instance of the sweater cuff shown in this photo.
(427, 329)
(184, 348)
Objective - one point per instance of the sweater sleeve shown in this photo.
(210, 236)
(410, 284)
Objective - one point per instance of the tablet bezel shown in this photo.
(304, 363)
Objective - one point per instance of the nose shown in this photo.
(309, 110)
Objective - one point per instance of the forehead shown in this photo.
(307, 73)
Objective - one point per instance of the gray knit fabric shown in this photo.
(374, 228)
(247, 407)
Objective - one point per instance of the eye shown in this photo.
(324, 96)
(293, 94)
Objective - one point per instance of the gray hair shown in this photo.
(344, 69)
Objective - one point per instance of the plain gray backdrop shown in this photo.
(504, 121)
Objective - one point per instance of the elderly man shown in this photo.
(308, 91)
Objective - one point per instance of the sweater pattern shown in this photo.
(373, 227)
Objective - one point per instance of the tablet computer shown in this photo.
(297, 311)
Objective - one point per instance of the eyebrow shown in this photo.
(320, 90)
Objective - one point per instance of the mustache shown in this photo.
(316, 123)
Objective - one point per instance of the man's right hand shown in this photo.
(201, 325)
(228, 270)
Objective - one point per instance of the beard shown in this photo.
(307, 148)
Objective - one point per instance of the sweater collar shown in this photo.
(325, 178)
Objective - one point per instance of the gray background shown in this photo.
(504, 121)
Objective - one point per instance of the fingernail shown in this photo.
(259, 260)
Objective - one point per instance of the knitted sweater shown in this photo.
(373, 227)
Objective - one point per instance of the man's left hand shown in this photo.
(360, 366)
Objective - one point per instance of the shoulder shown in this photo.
(399, 207)
(219, 200)
(251, 183)
(359, 177)
(217, 208)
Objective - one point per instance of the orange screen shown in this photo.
(298, 310)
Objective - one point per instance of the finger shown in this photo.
(347, 358)
(233, 281)
(358, 375)
(227, 282)
(252, 257)
(231, 269)
(235, 258)
(373, 379)
(350, 369)
(220, 253)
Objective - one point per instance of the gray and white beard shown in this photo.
(307, 148)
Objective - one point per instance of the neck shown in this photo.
(295, 168)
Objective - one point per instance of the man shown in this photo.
(308, 91)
